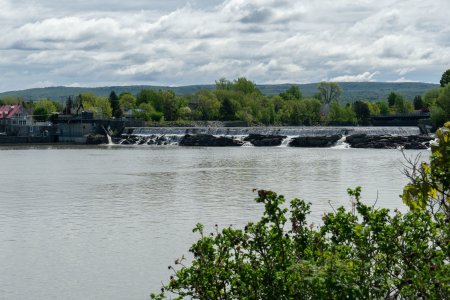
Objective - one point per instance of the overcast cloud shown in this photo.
(174, 42)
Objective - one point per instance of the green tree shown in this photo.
(115, 105)
(383, 107)
(43, 109)
(223, 84)
(267, 114)
(245, 86)
(304, 112)
(208, 105)
(311, 111)
(245, 114)
(402, 105)
(88, 100)
(127, 102)
(147, 112)
(392, 98)
(430, 97)
(374, 108)
(12, 100)
(429, 188)
(229, 104)
(170, 106)
(341, 115)
(362, 111)
(228, 109)
(329, 91)
(398, 104)
(155, 98)
(184, 113)
(445, 78)
(418, 102)
(41, 114)
(440, 110)
(100, 106)
(293, 93)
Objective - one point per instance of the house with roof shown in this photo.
(13, 115)
(16, 121)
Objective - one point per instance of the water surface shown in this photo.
(105, 222)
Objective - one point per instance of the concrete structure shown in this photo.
(409, 119)
(76, 128)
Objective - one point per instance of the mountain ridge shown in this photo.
(352, 91)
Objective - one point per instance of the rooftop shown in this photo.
(8, 111)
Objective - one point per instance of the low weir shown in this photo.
(286, 131)
(376, 137)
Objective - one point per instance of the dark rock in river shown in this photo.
(389, 141)
(265, 140)
(96, 139)
(315, 141)
(208, 140)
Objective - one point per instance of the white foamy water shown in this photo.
(105, 222)
(288, 131)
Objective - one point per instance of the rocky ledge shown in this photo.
(140, 140)
(208, 140)
(315, 141)
(389, 141)
(96, 139)
(265, 140)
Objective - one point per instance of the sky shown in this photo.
(173, 42)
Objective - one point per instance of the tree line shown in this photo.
(241, 100)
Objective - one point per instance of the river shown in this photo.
(105, 222)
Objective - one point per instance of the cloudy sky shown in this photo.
(174, 42)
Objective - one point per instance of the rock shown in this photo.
(356, 139)
(126, 142)
(116, 140)
(265, 140)
(388, 141)
(96, 139)
(208, 140)
(315, 141)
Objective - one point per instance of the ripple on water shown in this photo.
(92, 218)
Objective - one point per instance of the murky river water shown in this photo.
(104, 223)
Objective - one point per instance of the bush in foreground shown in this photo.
(364, 253)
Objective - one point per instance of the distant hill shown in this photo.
(352, 91)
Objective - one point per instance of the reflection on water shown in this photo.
(104, 223)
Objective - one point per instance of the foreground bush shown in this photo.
(364, 253)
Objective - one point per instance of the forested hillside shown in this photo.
(352, 91)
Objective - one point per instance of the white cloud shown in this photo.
(177, 43)
(403, 79)
(41, 84)
(366, 76)
(404, 71)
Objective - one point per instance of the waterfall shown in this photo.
(110, 142)
(341, 143)
(247, 144)
(286, 141)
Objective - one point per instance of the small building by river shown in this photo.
(76, 128)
